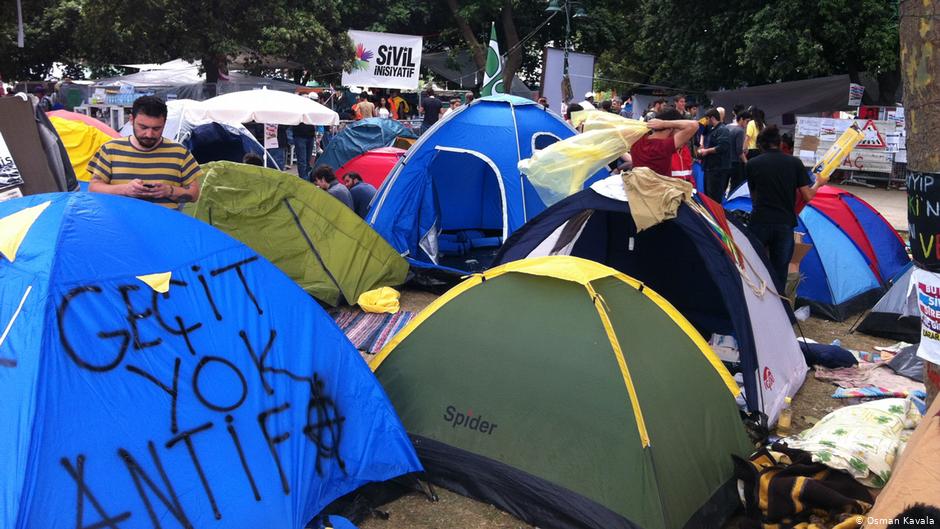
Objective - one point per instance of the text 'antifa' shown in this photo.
(125, 346)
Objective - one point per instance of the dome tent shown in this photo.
(180, 378)
(721, 289)
(314, 238)
(855, 253)
(359, 137)
(541, 386)
(458, 193)
(373, 166)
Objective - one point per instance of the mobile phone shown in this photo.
(150, 186)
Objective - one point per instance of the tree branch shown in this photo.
(514, 59)
(476, 49)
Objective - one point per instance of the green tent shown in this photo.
(570, 395)
(312, 237)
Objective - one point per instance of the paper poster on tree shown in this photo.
(384, 60)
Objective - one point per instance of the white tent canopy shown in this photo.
(264, 106)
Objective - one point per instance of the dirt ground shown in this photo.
(415, 511)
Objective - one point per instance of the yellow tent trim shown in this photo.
(428, 311)
(622, 362)
(567, 268)
(159, 282)
(15, 226)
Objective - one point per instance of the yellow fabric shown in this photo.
(158, 282)
(15, 226)
(567, 268)
(622, 363)
(561, 169)
(752, 133)
(81, 141)
(836, 154)
(384, 299)
(654, 198)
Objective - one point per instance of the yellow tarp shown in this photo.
(81, 141)
(561, 169)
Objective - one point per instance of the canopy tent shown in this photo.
(155, 381)
(458, 192)
(88, 120)
(855, 252)
(896, 315)
(38, 161)
(717, 280)
(361, 136)
(542, 386)
(184, 80)
(807, 96)
(81, 141)
(264, 106)
(312, 237)
(212, 140)
(458, 67)
(373, 166)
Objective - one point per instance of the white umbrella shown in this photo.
(264, 106)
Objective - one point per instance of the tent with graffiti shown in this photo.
(855, 254)
(171, 377)
(554, 400)
(362, 136)
(704, 266)
(314, 238)
(458, 193)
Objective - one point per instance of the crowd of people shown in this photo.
(147, 166)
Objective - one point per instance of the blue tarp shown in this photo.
(462, 175)
(230, 401)
(359, 137)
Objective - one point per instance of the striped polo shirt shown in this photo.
(119, 162)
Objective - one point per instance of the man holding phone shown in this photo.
(146, 165)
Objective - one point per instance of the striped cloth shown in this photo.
(870, 392)
(370, 332)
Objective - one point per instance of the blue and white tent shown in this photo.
(458, 193)
(155, 372)
(359, 137)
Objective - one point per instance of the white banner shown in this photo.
(384, 60)
(927, 286)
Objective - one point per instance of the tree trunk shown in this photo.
(476, 49)
(514, 57)
(920, 44)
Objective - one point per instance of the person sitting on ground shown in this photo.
(252, 158)
(775, 179)
(325, 179)
(146, 165)
(362, 192)
(668, 133)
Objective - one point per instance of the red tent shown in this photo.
(373, 166)
(88, 120)
(874, 236)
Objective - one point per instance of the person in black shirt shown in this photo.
(431, 106)
(717, 157)
(775, 179)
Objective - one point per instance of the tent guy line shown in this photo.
(9, 362)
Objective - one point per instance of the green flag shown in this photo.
(493, 74)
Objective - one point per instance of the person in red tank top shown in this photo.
(669, 132)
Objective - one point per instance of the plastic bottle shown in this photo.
(785, 420)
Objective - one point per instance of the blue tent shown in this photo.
(155, 372)
(855, 252)
(457, 193)
(359, 137)
(212, 142)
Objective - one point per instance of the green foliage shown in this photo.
(50, 28)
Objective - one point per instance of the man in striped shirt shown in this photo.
(146, 165)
